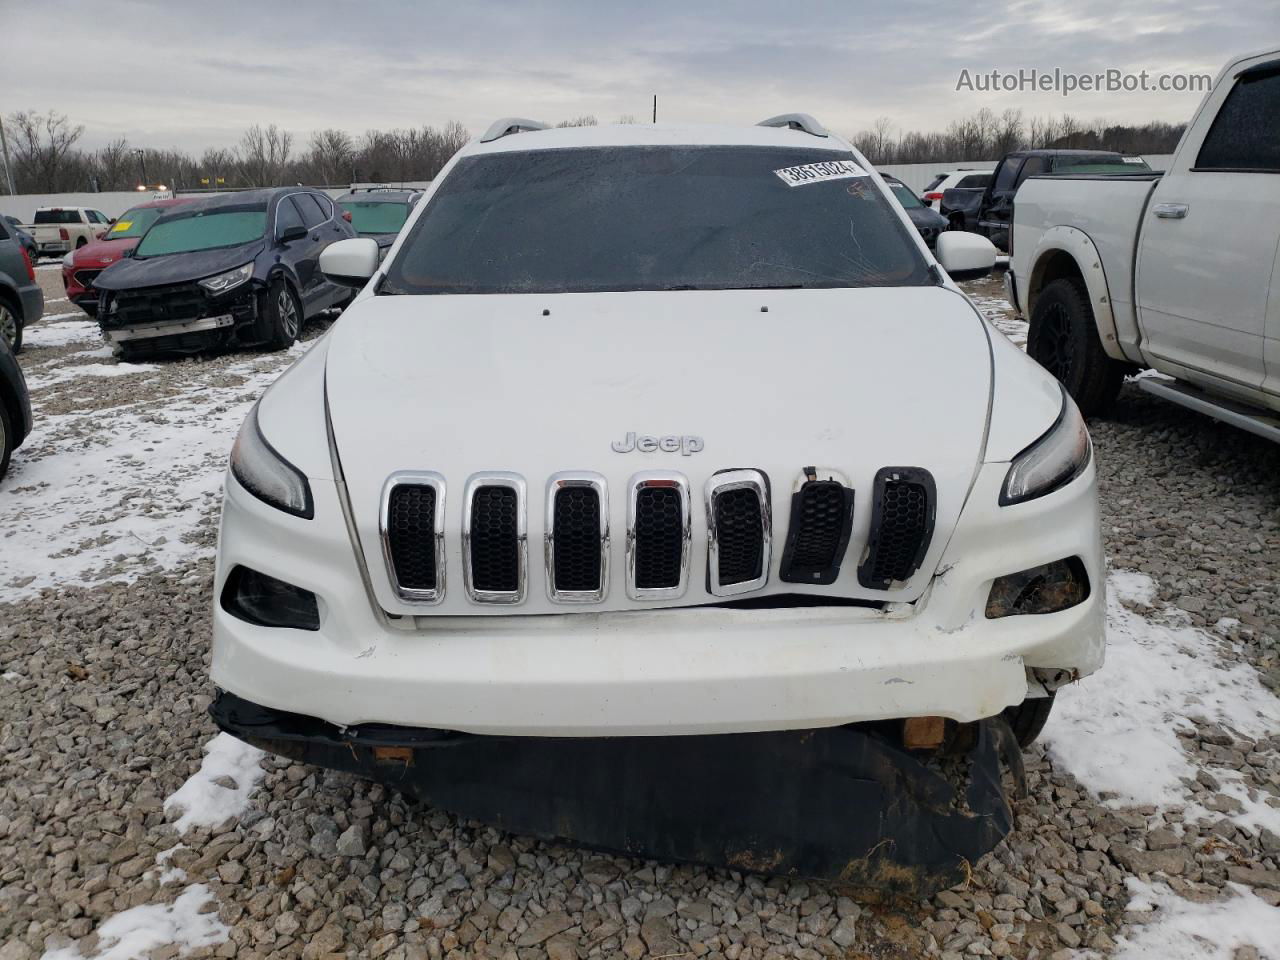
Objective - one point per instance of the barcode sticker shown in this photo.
(819, 172)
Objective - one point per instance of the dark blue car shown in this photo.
(239, 269)
(15, 406)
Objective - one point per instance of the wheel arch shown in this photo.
(286, 273)
(1067, 252)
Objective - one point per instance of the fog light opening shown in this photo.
(1047, 588)
(267, 602)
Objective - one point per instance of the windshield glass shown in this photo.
(904, 195)
(655, 218)
(204, 230)
(57, 216)
(134, 223)
(1104, 165)
(376, 216)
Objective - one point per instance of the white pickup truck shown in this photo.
(1177, 272)
(60, 230)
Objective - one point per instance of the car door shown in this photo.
(331, 229)
(997, 208)
(304, 254)
(1207, 259)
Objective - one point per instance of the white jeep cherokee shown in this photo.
(652, 431)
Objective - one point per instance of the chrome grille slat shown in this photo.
(397, 538)
(560, 486)
(492, 548)
(746, 533)
(636, 557)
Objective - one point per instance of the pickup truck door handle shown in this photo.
(1171, 211)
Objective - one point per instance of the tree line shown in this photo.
(45, 156)
(986, 135)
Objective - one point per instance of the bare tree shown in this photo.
(329, 158)
(586, 120)
(42, 147)
(264, 154)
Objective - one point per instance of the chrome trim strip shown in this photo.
(557, 482)
(497, 478)
(638, 482)
(413, 478)
(722, 483)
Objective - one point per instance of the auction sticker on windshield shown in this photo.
(121, 225)
(819, 172)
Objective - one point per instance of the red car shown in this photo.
(80, 266)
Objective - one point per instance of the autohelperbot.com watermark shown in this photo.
(1067, 82)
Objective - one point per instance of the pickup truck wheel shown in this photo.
(81, 242)
(1028, 718)
(7, 437)
(284, 315)
(10, 325)
(1064, 340)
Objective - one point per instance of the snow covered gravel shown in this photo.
(130, 828)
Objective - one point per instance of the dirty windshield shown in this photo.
(200, 229)
(656, 218)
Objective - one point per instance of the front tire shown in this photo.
(11, 325)
(283, 313)
(1063, 338)
(1027, 719)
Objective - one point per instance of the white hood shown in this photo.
(777, 380)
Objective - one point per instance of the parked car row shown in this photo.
(235, 269)
(21, 302)
(987, 210)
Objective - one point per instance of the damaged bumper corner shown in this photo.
(844, 804)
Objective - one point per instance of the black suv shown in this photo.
(241, 269)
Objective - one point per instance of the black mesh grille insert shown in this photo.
(495, 563)
(411, 530)
(576, 528)
(659, 538)
(901, 526)
(740, 534)
(821, 515)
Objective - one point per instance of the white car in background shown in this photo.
(655, 431)
(953, 179)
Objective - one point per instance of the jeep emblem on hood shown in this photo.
(645, 444)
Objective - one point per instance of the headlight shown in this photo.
(1053, 461)
(223, 282)
(267, 475)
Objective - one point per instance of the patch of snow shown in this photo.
(61, 331)
(112, 494)
(1132, 588)
(67, 372)
(169, 874)
(1226, 624)
(204, 803)
(10, 675)
(137, 931)
(1116, 730)
(1183, 930)
(998, 311)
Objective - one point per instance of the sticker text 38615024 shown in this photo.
(819, 172)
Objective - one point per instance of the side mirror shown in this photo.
(966, 256)
(290, 234)
(350, 262)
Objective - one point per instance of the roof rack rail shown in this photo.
(796, 121)
(509, 125)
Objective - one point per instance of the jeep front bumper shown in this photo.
(660, 672)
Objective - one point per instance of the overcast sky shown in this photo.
(187, 75)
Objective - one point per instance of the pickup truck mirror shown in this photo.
(350, 262)
(966, 256)
(290, 234)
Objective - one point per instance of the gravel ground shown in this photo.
(102, 718)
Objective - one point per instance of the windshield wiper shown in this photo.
(761, 286)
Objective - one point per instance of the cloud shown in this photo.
(195, 76)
